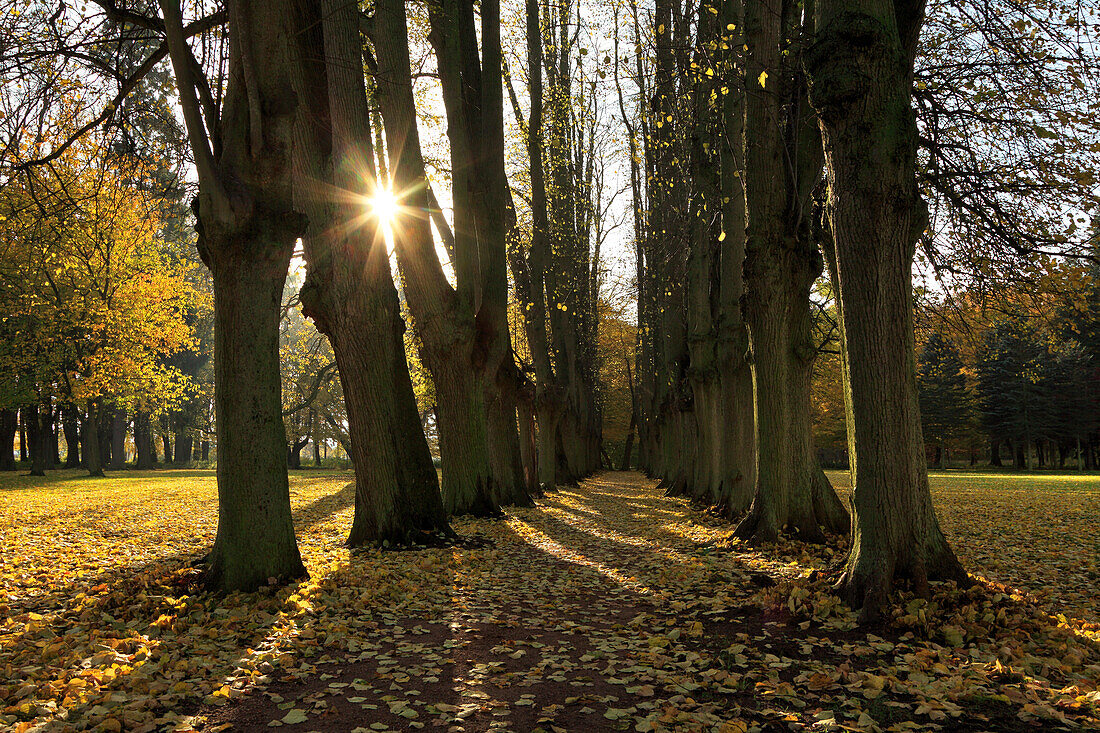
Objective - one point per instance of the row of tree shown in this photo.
(768, 142)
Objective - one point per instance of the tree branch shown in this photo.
(322, 376)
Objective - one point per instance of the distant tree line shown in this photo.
(1028, 392)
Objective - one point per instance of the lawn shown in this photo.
(1039, 532)
(608, 607)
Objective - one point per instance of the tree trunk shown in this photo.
(184, 439)
(144, 459)
(71, 427)
(444, 317)
(9, 426)
(861, 72)
(205, 451)
(473, 100)
(528, 437)
(350, 295)
(505, 455)
(768, 300)
(247, 229)
(294, 454)
(104, 430)
(54, 444)
(255, 540)
(38, 433)
(492, 199)
(118, 438)
(737, 448)
(994, 452)
(92, 442)
(781, 263)
(24, 439)
(548, 415)
(628, 448)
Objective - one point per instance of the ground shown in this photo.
(607, 607)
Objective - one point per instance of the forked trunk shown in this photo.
(444, 316)
(349, 293)
(247, 228)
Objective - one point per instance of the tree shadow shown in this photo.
(324, 507)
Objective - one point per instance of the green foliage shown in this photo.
(945, 402)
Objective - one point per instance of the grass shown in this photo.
(1036, 531)
(101, 624)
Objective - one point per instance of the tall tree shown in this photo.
(782, 260)
(473, 99)
(861, 72)
(349, 290)
(247, 225)
(445, 316)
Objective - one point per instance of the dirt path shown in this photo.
(613, 607)
(579, 618)
(607, 607)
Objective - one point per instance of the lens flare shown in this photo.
(383, 205)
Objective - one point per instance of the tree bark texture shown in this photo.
(861, 69)
(350, 295)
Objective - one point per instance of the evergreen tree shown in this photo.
(1014, 385)
(945, 401)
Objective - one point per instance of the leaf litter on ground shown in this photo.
(608, 606)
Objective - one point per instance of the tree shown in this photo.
(473, 100)
(97, 302)
(944, 398)
(241, 134)
(349, 291)
(861, 71)
(459, 326)
(247, 226)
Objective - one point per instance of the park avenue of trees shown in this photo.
(446, 173)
